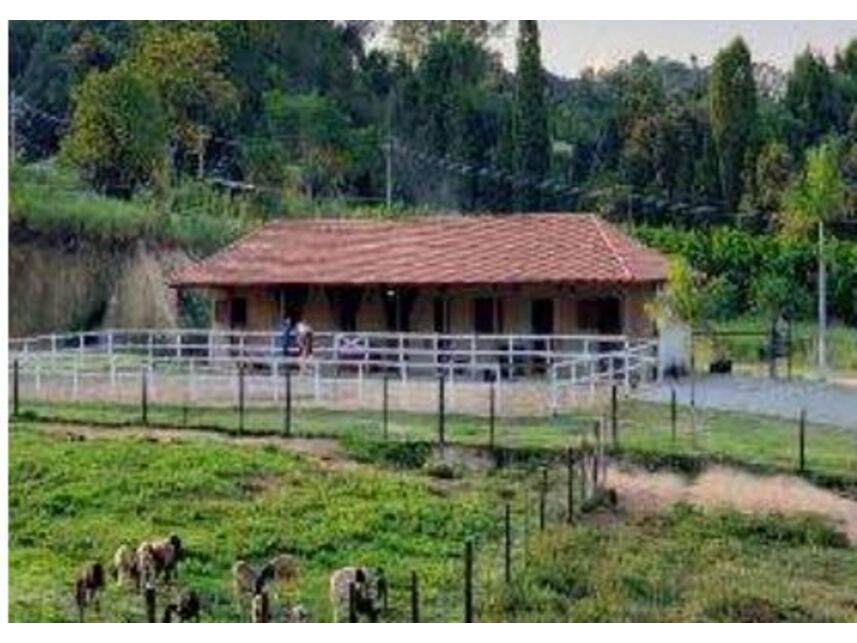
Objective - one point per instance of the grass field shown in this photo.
(643, 428)
(73, 501)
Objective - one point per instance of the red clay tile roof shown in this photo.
(508, 249)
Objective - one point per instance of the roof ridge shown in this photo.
(622, 261)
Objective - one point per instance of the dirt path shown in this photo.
(729, 487)
(639, 490)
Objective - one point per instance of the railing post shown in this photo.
(802, 442)
(287, 421)
(614, 415)
(144, 396)
(441, 411)
(468, 582)
(507, 550)
(627, 358)
(241, 397)
(415, 598)
(385, 394)
(15, 388)
(491, 414)
(673, 414)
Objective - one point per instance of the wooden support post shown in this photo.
(287, 419)
(149, 597)
(507, 553)
(144, 401)
(673, 414)
(415, 598)
(614, 416)
(241, 397)
(569, 463)
(802, 442)
(441, 412)
(352, 603)
(386, 406)
(468, 582)
(492, 393)
(543, 492)
(583, 480)
(16, 389)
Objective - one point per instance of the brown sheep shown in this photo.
(159, 557)
(187, 608)
(87, 587)
(125, 566)
(370, 592)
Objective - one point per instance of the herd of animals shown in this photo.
(355, 592)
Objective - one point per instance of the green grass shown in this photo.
(75, 501)
(644, 429)
(49, 199)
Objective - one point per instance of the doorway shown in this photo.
(541, 317)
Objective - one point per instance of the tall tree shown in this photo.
(411, 38)
(811, 100)
(532, 142)
(732, 107)
(816, 198)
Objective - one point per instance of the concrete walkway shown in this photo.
(824, 402)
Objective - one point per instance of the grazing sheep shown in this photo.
(187, 609)
(125, 566)
(260, 608)
(87, 586)
(280, 569)
(370, 591)
(145, 565)
(244, 578)
(161, 556)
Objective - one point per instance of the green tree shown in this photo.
(817, 197)
(773, 173)
(811, 100)
(732, 108)
(118, 135)
(183, 64)
(411, 38)
(532, 142)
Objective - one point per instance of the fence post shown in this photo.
(491, 415)
(287, 420)
(145, 394)
(441, 403)
(507, 553)
(569, 463)
(673, 412)
(802, 442)
(149, 596)
(415, 598)
(240, 397)
(543, 491)
(614, 416)
(583, 450)
(352, 603)
(386, 406)
(15, 388)
(468, 582)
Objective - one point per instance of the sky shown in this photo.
(569, 46)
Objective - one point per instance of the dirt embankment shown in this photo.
(69, 284)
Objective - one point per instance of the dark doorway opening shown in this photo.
(602, 315)
(541, 317)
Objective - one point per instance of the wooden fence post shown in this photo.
(415, 598)
(569, 463)
(144, 397)
(352, 603)
(468, 582)
(543, 492)
(614, 416)
(386, 406)
(149, 597)
(241, 397)
(507, 553)
(673, 414)
(15, 389)
(287, 419)
(802, 442)
(441, 412)
(492, 394)
(582, 460)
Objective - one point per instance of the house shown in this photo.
(522, 274)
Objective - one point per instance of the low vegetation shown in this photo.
(76, 500)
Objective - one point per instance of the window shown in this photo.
(487, 315)
(238, 312)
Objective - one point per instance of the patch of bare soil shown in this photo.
(722, 487)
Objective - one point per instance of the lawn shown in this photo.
(643, 428)
(73, 501)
